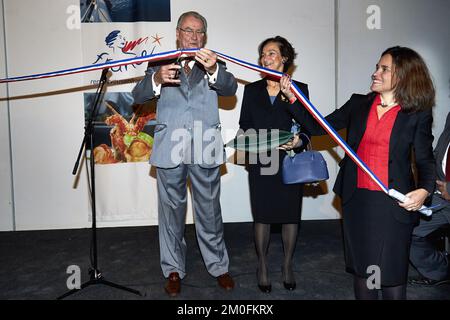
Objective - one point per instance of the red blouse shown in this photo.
(374, 147)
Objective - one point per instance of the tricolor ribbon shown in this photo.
(169, 55)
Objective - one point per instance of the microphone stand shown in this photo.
(96, 276)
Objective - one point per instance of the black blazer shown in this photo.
(410, 131)
(257, 111)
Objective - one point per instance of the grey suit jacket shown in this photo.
(441, 148)
(188, 128)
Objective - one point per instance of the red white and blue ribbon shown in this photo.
(149, 58)
(169, 55)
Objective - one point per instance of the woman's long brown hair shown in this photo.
(414, 89)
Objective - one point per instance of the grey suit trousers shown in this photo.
(172, 203)
(430, 262)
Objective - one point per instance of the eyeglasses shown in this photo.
(191, 32)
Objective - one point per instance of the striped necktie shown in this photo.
(187, 69)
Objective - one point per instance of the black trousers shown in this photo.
(425, 257)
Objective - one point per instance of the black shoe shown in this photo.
(427, 282)
(265, 289)
(289, 286)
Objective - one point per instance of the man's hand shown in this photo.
(208, 59)
(442, 187)
(167, 74)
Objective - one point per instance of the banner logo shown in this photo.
(119, 48)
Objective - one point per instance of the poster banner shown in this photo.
(123, 131)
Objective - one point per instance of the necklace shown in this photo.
(387, 105)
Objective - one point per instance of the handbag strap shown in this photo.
(292, 153)
(309, 145)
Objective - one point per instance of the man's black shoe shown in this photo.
(427, 282)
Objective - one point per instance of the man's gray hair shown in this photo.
(195, 15)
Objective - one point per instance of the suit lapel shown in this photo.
(441, 148)
(399, 125)
(262, 98)
(196, 74)
(362, 119)
(446, 139)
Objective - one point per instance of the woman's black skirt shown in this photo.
(374, 237)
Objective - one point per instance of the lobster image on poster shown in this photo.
(123, 131)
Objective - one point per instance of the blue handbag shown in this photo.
(305, 167)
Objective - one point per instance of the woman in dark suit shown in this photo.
(265, 107)
(386, 128)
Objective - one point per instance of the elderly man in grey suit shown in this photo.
(432, 264)
(188, 143)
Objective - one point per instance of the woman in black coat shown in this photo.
(264, 107)
(386, 128)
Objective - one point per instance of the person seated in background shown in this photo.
(431, 263)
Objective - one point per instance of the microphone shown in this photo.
(180, 58)
(104, 74)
